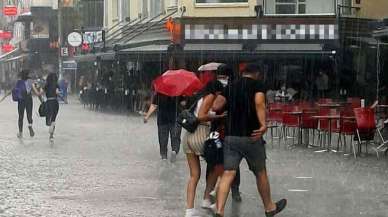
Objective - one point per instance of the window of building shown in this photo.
(124, 9)
(156, 7)
(221, 1)
(299, 7)
(144, 7)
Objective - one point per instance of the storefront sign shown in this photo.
(74, 39)
(5, 34)
(92, 37)
(10, 10)
(64, 51)
(40, 28)
(7, 48)
(71, 64)
(262, 32)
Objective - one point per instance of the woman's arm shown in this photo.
(36, 91)
(207, 104)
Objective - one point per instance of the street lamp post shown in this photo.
(60, 37)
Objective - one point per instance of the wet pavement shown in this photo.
(108, 165)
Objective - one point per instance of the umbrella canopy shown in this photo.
(177, 83)
(210, 67)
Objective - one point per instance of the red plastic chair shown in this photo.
(274, 120)
(290, 121)
(354, 102)
(324, 128)
(366, 127)
(325, 101)
(348, 126)
(309, 123)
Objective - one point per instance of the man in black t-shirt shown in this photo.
(168, 110)
(244, 101)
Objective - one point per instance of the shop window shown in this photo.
(221, 1)
(299, 7)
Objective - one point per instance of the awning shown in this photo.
(367, 40)
(147, 48)
(8, 55)
(16, 58)
(93, 57)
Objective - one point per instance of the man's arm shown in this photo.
(261, 115)
(150, 111)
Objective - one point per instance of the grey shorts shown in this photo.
(237, 148)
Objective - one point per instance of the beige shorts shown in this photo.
(193, 143)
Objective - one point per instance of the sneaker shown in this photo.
(173, 156)
(280, 205)
(236, 195)
(32, 133)
(192, 213)
(51, 138)
(19, 135)
(206, 204)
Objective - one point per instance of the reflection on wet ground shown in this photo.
(108, 165)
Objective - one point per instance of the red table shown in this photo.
(330, 118)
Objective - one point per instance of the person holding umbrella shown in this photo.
(170, 88)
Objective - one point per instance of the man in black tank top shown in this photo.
(244, 101)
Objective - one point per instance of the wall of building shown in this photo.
(373, 9)
(44, 3)
(194, 9)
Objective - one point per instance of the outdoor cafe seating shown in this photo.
(315, 124)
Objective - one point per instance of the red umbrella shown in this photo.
(177, 83)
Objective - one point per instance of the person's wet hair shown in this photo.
(52, 79)
(253, 68)
(24, 74)
(224, 69)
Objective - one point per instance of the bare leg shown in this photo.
(223, 190)
(265, 191)
(195, 173)
(211, 181)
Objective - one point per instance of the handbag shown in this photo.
(213, 152)
(187, 118)
(43, 109)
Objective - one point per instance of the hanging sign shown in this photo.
(74, 39)
(7, 48)
(10, 10)
(5, 34)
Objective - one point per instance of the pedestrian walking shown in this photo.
(244, 101)
(51, 89)
(167, 110)
(22, 94)
(193, 146)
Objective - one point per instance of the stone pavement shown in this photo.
(108, 165)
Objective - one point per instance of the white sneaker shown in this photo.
(173, 157)
(192, 213)
(206, 204)
(213, 208)
(19, 135)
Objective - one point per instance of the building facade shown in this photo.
(295, 39)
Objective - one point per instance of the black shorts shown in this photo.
(237, 148)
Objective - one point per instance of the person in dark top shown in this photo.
(168, 110)
(52, 106)
(244, 101)
(25, 102)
